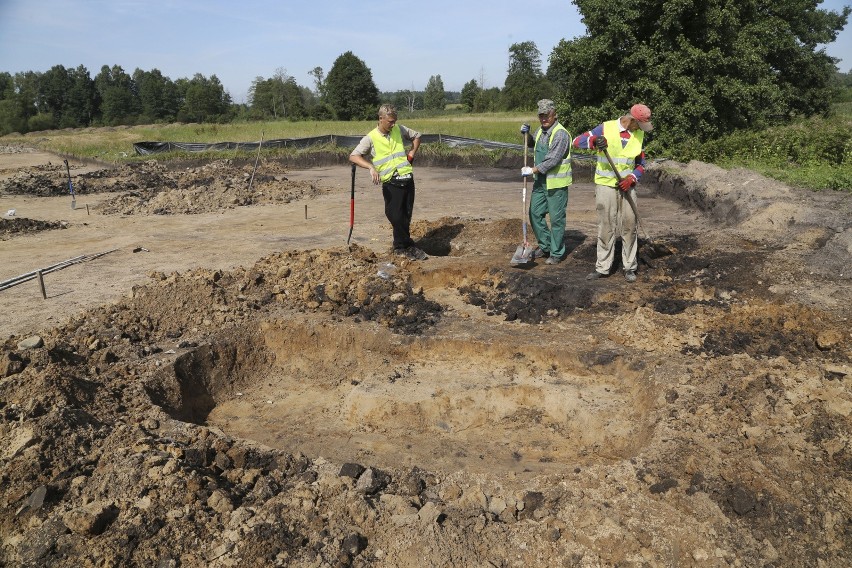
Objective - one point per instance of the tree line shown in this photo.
(705, 68)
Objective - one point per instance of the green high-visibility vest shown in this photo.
(624, 158)
(560, 176)
(390, 154)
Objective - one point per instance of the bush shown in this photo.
(41, 121)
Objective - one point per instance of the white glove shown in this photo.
(526, 171)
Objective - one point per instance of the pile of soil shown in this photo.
(153, 188)
(12, 226)
(337, 407)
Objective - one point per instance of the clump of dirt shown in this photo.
(21, 225)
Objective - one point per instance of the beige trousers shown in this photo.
(615, 218)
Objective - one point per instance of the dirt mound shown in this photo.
(337, 407)
(152, 188)
(13, 226)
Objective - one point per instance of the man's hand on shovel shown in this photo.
(627, 182)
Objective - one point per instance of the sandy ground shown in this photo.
(235, 387)
(240, 236)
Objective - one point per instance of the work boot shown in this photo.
(630, 275)
(416, 253)
(595, 275)
(538, 253)
(553, 260)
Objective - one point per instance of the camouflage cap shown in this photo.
(546, 106)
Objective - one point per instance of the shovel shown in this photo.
(524, 252)
(351, 209)
(658, 250)
(70, 186)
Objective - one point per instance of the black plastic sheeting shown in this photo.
(146, 148)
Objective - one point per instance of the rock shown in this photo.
(430, 514)
(397, 298)
(372, 481)
(11, 364)
(91, 519)
(352, 470)
(741, 500)
(19, 441)
(32, 342)
(354, 544)
(829, 339)
(36, 498)
(219, 502)
(532, 500)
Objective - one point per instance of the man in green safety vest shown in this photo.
(620, 141)
(390, 164)
(551, 179)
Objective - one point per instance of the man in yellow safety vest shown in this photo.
(390, 164)
(552, 178)
(622, 140)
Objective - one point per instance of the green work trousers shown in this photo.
(553, 203)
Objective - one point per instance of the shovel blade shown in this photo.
(523, 255)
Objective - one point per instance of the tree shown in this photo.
(119, 99)
(319, 81)
(158, 96)
(705, 67)
(525, 83)
(53, 88)
(204, 100)
(278, 97)
(81, 100)
(350, 91)
(468, 95)
(434, 97)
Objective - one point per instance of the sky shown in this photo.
(402, 43)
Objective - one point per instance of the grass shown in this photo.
(814, 153)
(115, 144)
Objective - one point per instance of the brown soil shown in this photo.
(231, 385)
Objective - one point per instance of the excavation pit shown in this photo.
(338, 392)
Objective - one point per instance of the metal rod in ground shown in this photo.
(41, 284)
(256, 160)
(58, 266)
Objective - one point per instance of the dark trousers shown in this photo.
(399, 207)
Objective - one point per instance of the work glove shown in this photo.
(525, 128)
(600, 142)
(627, 182)
(526, 171)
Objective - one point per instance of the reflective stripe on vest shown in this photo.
(624, 158)
(390, 154)
(560, 176)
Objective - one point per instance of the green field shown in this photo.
(793, 153)
(115, 144)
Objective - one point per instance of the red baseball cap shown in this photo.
(642, 114)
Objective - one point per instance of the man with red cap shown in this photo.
(623, 139)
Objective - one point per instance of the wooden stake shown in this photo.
(41, 284)
(87, 208)
(306, 211)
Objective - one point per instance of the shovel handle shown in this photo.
(351, 206)
(612, 164)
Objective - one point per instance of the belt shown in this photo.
(399, 177)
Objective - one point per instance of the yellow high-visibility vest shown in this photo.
(560, 176)
(390, 153)
(624, 158)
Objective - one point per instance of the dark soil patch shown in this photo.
(21, 225)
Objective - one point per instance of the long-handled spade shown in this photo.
(70, 186)
(351, 209)
(524, 252)
(657, 249)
